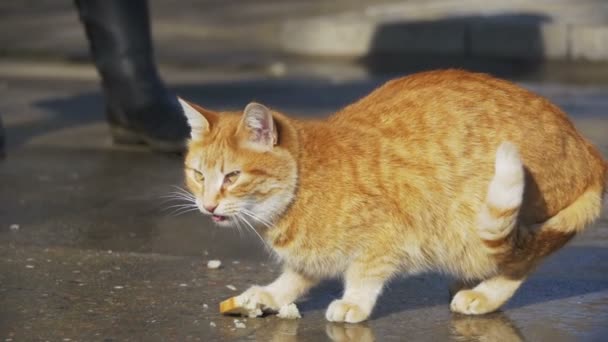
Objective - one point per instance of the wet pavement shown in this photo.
(91, 250)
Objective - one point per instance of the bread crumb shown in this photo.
(289, 311)
(214, 264)
(241, 305)
(212, 324)
(232, 287)
(239, 324)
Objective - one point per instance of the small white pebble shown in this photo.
(236, 262)
(119, 287)
(29, 266)
(213, 264)
(277, 69)
(232, 287)
(205, 306)
(240, 325)
(29, 259)
(183, 285)
(14, 227)
(212, 324)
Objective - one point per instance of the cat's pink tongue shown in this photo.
(218, 218)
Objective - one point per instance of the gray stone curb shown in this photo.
(515, 37)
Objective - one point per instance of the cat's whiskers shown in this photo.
(255, 231)
(173, 197)
(179, 193)
(186, 202)
(182, 193)
(272, 212)
(240, 227)
(181, 212)
(257, 218)
(180, 205)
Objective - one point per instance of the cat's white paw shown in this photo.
(470, 302)
(260, 296)
(343, 311)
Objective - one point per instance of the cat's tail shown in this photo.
(552, 234)
(498, 218)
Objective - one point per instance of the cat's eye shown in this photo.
(198, 176)
(231, 177)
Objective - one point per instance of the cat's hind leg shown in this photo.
(486, 297)
(457, 285)
(497, 222)
(498, 218)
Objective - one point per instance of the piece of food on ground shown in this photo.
(239, 324)
(241, 305)
(213, 264)
(245, 306)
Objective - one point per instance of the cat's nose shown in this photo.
(210, 207)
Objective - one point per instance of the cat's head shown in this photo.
(237, 165)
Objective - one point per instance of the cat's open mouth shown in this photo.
(218, 218)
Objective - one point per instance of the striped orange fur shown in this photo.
(445, 171)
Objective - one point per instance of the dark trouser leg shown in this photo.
(139, 107)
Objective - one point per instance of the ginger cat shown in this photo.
(444, 171)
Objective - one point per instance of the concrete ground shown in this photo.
(90, 250)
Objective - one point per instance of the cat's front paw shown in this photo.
(470, 302)
(343, 311)
(259, 296)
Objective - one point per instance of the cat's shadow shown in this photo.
(568, 273)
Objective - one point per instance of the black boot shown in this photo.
(139, 107)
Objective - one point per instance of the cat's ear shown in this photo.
(199, 119)
(258, 127)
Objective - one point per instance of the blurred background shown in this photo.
(91, 248)
(384, 35)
